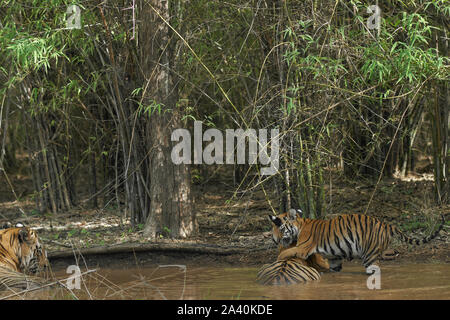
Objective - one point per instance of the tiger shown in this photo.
(21, 251)
(293, 270)
(347, 236)
(286, 272)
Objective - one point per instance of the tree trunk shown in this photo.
(171, 208)
(440, 130)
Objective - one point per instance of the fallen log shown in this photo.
(154, 247)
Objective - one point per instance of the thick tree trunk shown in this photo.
(171, 208)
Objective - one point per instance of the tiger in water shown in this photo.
(346, 236)
(293, 270)
(21, 250)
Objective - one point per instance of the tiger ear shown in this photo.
(292, 214)
(6, 225)
(23, 235)
(275, 220)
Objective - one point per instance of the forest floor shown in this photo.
(237, 222)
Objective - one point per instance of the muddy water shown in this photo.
(412, 281)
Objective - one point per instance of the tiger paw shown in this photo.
(389, 254)
(284, 256)
(288, 254)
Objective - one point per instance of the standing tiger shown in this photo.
(21, 251)
(347, 236)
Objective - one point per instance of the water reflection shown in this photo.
(412, 281)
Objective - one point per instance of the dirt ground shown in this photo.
(238, 221)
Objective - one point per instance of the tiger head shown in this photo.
(286, 228)
(23, 246)
(33, 255)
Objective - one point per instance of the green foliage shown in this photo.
(196, 176)
(32, 54)
(151, 108)
(413, 226)
(72, 232)
(337, 90)
(404, 56)
(167, 231)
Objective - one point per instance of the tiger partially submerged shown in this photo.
(21, 251)
(292, 271)
(344, 237)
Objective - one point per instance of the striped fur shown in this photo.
(21, 251)
(344, 237)
(294, 270)
(286, 272)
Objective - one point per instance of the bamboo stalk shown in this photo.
(49, 186)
